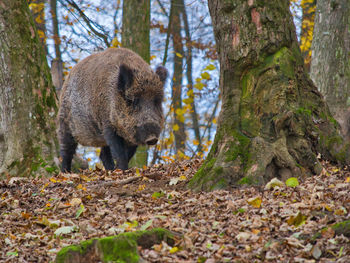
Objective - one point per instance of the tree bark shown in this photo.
(330, 65)
(273, 121)
(135, 36)
(28, 142)
(178, 114)
(194, 115)
(56, 64)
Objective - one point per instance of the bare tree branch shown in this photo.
(89, 22)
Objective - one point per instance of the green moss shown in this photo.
(202, 175)
(246, 180)
(121, 248)
(251, 180)
(221, 184)
(302, 111)
(218, 170)
(335, 145)
(239, 147)
(280, 66)
(332, 120)
(341, 228)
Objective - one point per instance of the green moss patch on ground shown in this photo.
(121, 248)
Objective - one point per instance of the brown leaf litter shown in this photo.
(39, 216)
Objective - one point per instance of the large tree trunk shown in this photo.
(330, 65)
(178, 114)
(135, 35)
(27, 97)
(273, 121)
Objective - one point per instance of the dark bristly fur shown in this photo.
(113, 100)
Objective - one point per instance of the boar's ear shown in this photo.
(125, 77)
(162, 73)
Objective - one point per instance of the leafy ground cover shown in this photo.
(274, 223)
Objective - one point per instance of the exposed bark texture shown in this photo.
(135, 36)
(273, 121)
(330, 65)
(179, 133)
(27, 97)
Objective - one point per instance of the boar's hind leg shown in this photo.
(106, 158)
(68, 146)
(117, 147)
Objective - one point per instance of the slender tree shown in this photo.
(27, 97)
(178, 116)
(194, 115)
(330, 65)
(273, 121)
(57, 64)
(307, 28)
(135, 35)
(37, 8)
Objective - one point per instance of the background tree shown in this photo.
(57, 63)
(135, 36)
(37, 8)
(27, 97)
(189, 76)
(273, 121)
(178, 112)
(330, 65)
(307, 28)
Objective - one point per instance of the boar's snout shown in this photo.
(148, 133)
(152, 140)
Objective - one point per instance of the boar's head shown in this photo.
(138, 113)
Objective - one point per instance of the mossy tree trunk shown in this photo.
(27, 98)
(135, 36)
(273, 121)
(330, 64)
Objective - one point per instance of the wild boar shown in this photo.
(113, 100)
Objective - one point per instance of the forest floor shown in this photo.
(39, 216)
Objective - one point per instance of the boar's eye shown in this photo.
(157, 101)
(129, 102)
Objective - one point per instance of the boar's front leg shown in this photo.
(106, 158)
(117, 147)
(131, 151)
(68, 146)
